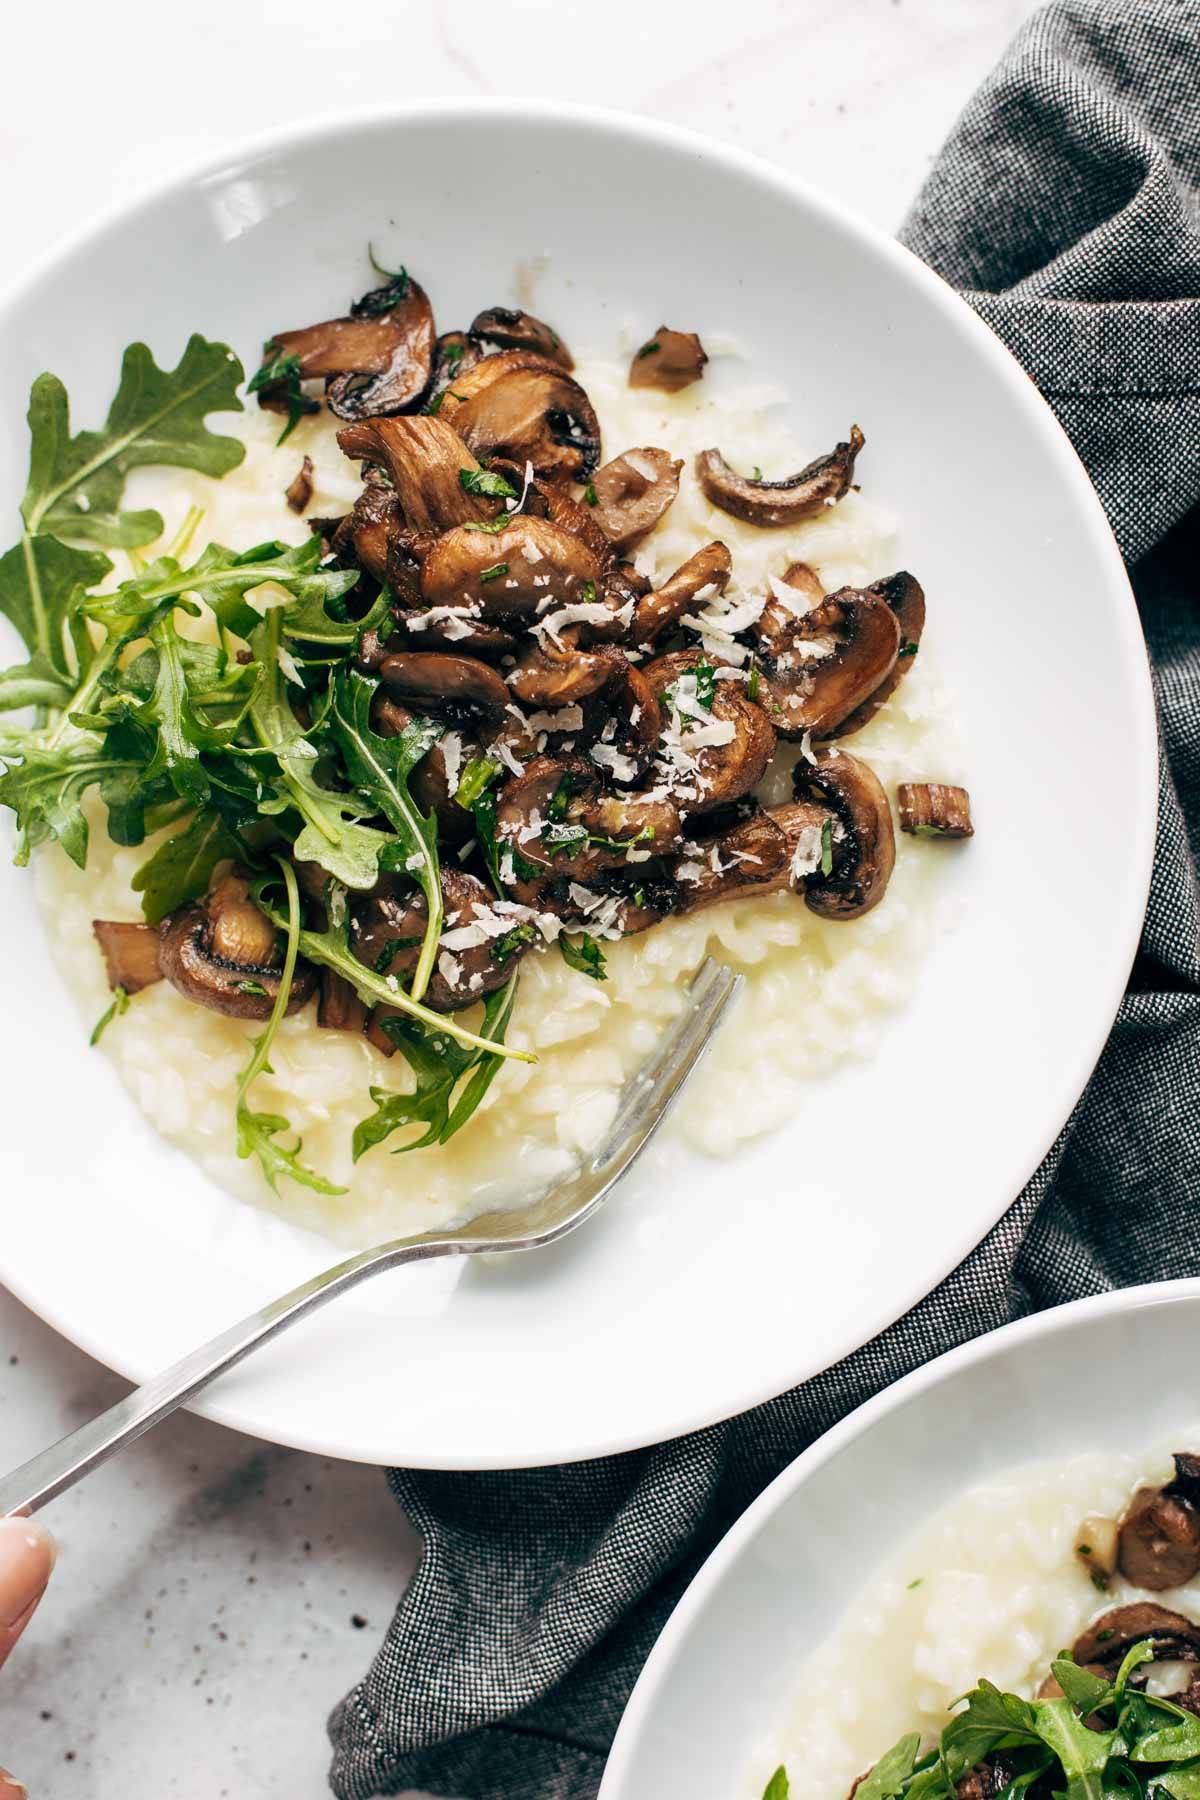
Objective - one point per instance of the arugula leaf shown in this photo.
(379, 768)
(1082, 1752)
(1084, 1690)
(332, 833)
(257, 1132)
(439, 1065)
(312, 622)
(157, 417)
(992, 1719)
(1177, 1742)
(890, 1773)
(778, 1788)
(1180, 1783)
(180, 732)
(586, 956)
(181, 867)
(35, 683)
(41, 584)
(45, 789)
(120, 1004)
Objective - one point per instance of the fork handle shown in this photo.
(84, 1449)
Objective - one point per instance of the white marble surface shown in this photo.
(205, 1614)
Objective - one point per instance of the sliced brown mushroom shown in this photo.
(298, 491)
(708, 767)
(522, 406)
(528, 565)
(778, 617)
(222, 953)
(434, 679)
(372, 533)
(512, 330)
(1103, 1645)
(633, 492)
(580, 520)
(454, 354)
(786, 502)
(862, 843)
(906, 597)
(378, 360)
(425, 460)
(748, 856)
(550, 677)
(827, 660)
(338, 1005)
(430, 780)
(387, 930)
(1159, 1540)
(706, 572)
(130, 954)
(931, 809)
(670, 360)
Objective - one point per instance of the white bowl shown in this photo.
(706, 1287)
(720, 1684)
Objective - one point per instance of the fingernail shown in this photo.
(27, 1553)
(10, 1784)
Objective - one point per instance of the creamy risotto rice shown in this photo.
(815, 992)
(989, 1588)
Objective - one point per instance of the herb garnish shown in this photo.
(381, 300)
(281, 373)
(754, 683)
(120, 1004)
(492, 527)
(589, 494)
(586, 956)
(827, 847)
(484, 481)
(453, 354)
(908, 650)
(478, 774)
(494, 573)
(648, 349)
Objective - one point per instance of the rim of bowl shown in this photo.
(1074, 1315)
(1143, 743)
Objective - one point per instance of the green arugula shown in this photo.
(257, 1132)
(379, 768)
(279, 374)
(181, 867)
(586, 956)
(35, 683)
(439, 1100)
(45, 789)
(778, 1788)
(41, 585)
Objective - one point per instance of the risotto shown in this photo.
(990, 1588)
(816, 990)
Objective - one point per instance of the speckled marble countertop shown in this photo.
(215, 1595)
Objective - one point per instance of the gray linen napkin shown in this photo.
(1066, 206)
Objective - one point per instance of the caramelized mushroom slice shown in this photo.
(779, 615)
(1104, 1643)
(785, 502)
(633, 491)
(512, 330)
(425, 460)
(378, 360)
(386, 932)
(828, 660)
(222, 953)
(670, 360)
(519, 405)
(580, 521)
(931, 809)
(748, 856)
(644, 822)
(528, 565)
(298, 491)
(704, 574)
(130, 954)
(455, 354)
(338, 1005)
(434, 781)
(906, 597)
(371, 532)
(717, 753)
(536, 799)
(1159, 1540)
(861, 845)
(433, 679)
(547, 676)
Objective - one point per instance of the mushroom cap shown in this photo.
(547, 676)
(747, 856)
(824, 662)
(725, 771)
(130, 953)
(633, 492)
(670, 360)
(1158, 1545)
(521, 405)
(373, 362)
(387, 929)
(863, 843)
(660, 611)
(785, 502)
(512, 572)
(906, 597)
(511, 329)
(433, 679)
(425, 459)
(1175, 1638)
(222, 953)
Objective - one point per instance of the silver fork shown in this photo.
(644, 1104)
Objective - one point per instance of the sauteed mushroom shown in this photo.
(704, 574)
(821, 664)
(721, 749)
(670, 360)
(1159, 1541)
(549, 676)
(906, 597)
(299, 489)
(529, 564)
(130, 954)
(862, 843)
(633, 492)
(785, 502)
(512, 330)
(520, 405)
(434, 679)
(931, 809)
(425, 460)
(387, 928)
(1104, 1643)
(377, 360)
(222, 953)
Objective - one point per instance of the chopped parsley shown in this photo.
(588, 593)
(120, 1004)
(387, 955)
(494, 573)
(251, 987)
(557, 809)
(589, 494)
(483, 481)
(479, 774)
(648, 349)
(586, 956)
(908, 649)
(754, 683)
(506, 946)
(501, 522)
(827, 847)
(381, 300)
(282, 372)
(453, 354)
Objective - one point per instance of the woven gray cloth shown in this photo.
(1066, 206)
